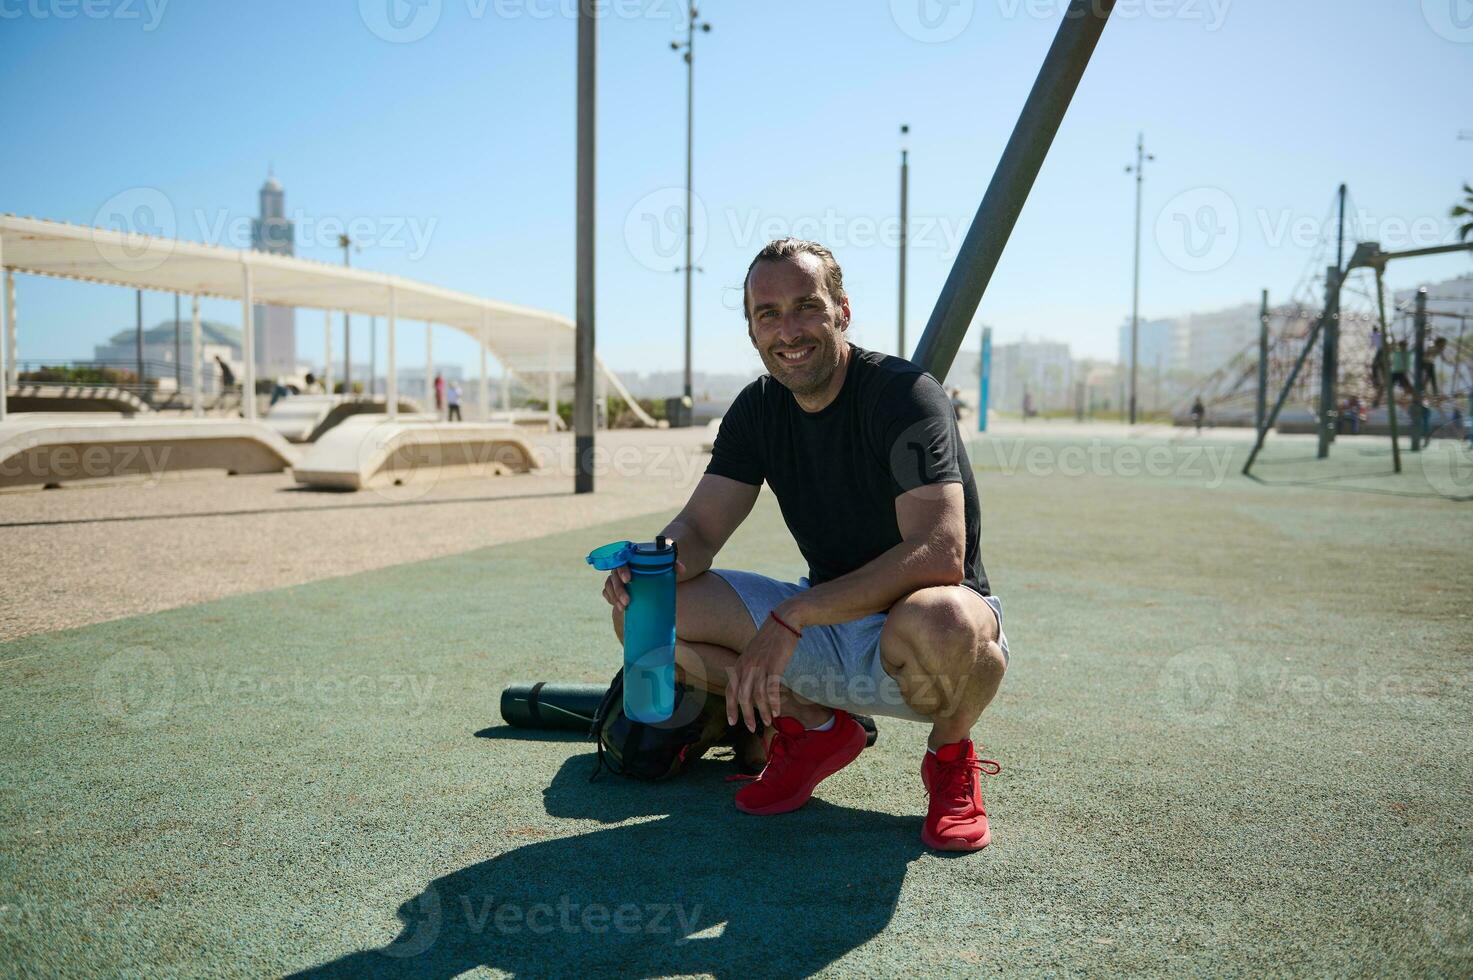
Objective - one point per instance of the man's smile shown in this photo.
(796, 356)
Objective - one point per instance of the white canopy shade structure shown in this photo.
(527, 342)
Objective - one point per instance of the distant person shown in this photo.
(1027, 406)
(279, 390)
(1350, 416)
(314, 386)
(1198, 413)
(1429, 364)
(1401, 360)
(1378, 370)
(227, 381)
(957, 404)
(439, 395)
(452, 399)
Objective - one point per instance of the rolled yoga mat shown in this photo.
(566, 707)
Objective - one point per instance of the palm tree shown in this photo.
(1464, 210)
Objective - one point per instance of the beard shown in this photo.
(813, 375)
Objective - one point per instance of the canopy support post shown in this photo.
(248, 344)
(391, 380)
(196, 359)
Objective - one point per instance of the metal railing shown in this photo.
(157, 396)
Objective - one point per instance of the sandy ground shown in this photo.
(87, 554)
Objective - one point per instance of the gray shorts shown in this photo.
(837, 666)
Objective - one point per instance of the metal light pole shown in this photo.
(346, 244)
(904, 227)
(583, 263)
(692, 25)
(138, 335)
(1141, 156)
(177, 381)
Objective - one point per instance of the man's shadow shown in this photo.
(702, 888)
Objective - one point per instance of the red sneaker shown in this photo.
(956, 819)
(797, 761)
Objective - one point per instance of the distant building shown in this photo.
(1190, 346)
(1042, 369)
(1156, 346)
(275, 326)
(216, 339)
(1207, 341)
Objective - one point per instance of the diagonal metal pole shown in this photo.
(1021, 160)
(1268, 423)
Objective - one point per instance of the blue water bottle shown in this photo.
(649, 625)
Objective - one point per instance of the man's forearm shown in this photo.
(692, 550)
(876, 586)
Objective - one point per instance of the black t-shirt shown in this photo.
(836, 472)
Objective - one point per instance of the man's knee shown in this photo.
(938, 644)
(931, 624)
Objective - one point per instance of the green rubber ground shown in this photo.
(1235, 739)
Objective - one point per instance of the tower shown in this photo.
(276, 326)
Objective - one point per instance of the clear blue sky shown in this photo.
(1255, 108)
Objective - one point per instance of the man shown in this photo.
(452, 398)
(1429, 364)
(227, 382)
(864, 456)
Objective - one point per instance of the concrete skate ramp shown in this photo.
(39, 397)
(304, 418)
(44, 451)
(348, 408)
(376, 451)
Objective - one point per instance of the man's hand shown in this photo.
(753, 685)
(614, 592)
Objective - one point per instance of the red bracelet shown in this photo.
(797, 633)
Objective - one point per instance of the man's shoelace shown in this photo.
(778, 754)
(955, 778)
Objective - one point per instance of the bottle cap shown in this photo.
(611, 556)
(652, 556)
(645, 556)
